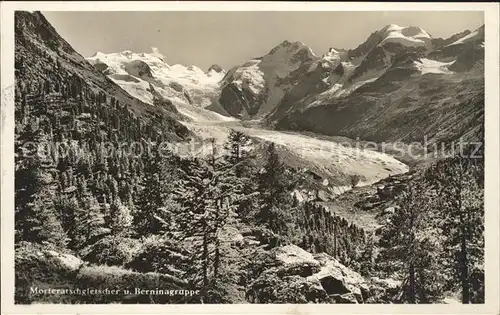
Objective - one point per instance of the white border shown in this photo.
(491, 11)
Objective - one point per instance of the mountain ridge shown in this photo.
(339, 70)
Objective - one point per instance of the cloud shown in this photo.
(157, 53)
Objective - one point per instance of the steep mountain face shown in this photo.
(254, 88)
(381, 51)
(42, 55)
(399, 84)
(147, 76)
(440, 108)
(464, 49)
(377, 53)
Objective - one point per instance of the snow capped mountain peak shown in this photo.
(408, 36)
(391, 27)
(215, 68)
(332, 51)
(138, 72)
(477, 34)
(285, 43)
(216, 71)
(195, 69)
(289, 48)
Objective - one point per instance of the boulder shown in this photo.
(68, 261)
(323, 195)
(347, 298)
(294, 289)
(383, 290)
(293, 260)
(293, 275)
(339, 279)
(389, 210)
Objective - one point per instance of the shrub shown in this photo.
(112, 250)
(159, 254)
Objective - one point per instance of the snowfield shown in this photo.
(351, 88)
(189, 83)
(265, 76)
(433, 66)
(467, 38)
(190, 76)
(200, 115)
(370, 164)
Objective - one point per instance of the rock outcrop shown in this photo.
(216, 68)
(138, 68)
(290, 274)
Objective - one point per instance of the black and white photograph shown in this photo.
(250, 157)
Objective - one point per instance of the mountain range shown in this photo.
(382, 90)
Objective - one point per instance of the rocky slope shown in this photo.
(254, 88)
(405, 85)
(443, 109)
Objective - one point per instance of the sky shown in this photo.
(231, 38)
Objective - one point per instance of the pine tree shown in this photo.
(209, 194)
(35, 213)
(459, 183)
(368, 256)
(192, 196)
(89, 218)
(272, 186)
(413, 243)
(239, 153)
(119, 219)
(67, 209)
(238, 148)
(152, 198)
